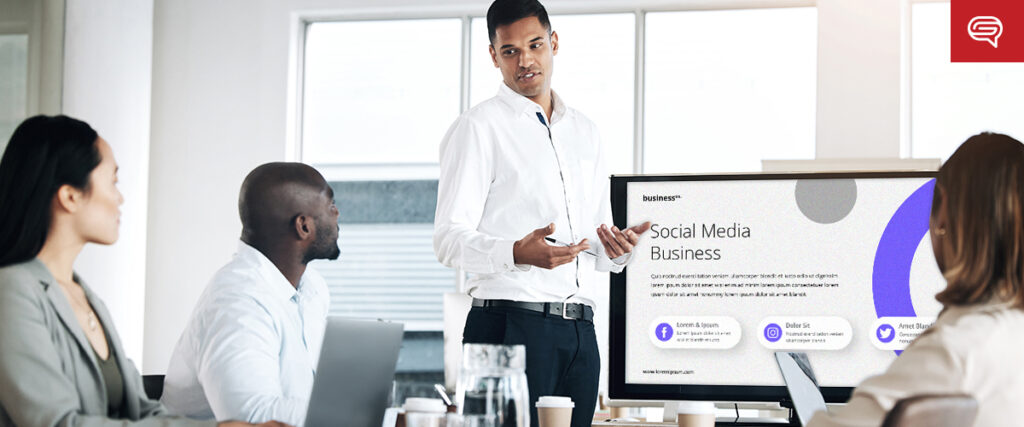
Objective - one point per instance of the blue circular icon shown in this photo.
(772, 332)
(885, 333)
(663, 332)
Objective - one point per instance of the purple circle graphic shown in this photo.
(890, 280)
(772, 332)
(663, 332)
(885, 333)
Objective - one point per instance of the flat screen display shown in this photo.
(737, 267)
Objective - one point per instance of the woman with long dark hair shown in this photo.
(61, 361)
(976, 344)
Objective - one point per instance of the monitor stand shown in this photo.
(744, 414)
(764, 414)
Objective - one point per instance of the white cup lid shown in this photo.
(694, 407)
(555, 402)
(422, 404)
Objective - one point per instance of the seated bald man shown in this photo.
(250, 349)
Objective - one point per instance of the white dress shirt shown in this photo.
(250, 350)
(504, 173)
(970, 349)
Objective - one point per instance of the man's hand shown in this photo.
(620, 242)
(533, 250)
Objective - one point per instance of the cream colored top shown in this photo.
(976, 350)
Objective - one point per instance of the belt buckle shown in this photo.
(565, 308)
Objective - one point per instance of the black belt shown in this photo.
(568, 311)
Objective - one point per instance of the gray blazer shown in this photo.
(48, 370)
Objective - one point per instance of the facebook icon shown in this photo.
(663, 332)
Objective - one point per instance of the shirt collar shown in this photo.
(278, 284)
(522, 104)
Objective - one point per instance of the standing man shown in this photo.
(524, 164)
(250, 350)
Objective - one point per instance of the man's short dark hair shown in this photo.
(504, 12)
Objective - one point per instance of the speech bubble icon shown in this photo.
(986, 29)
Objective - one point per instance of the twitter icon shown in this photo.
(885, 333)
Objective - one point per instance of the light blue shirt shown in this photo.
(250, 349)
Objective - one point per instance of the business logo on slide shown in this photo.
(772, 332)
(661, 198)
(663, 331)
(885, 333)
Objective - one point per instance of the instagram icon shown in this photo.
(772, 332)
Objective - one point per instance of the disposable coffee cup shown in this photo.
(695, 414)
(554, 411)
(424, 412)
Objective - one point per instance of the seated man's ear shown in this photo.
(305, 228)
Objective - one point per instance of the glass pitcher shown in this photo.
(492, 389)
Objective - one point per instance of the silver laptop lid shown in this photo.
(801, 384)
(354, 375)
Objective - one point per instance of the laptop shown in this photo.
(801, 384)
(354, 375)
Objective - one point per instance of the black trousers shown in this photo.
(562, 358)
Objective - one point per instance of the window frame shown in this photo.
(906, 75)
(302, 20)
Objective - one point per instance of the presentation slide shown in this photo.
(734, 270)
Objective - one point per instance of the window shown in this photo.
(376, 105)
(726, 89)
(375, 94)
(952, 101)
(13, 84)
(594, 72)
(387, 268)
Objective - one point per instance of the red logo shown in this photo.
(987, 31)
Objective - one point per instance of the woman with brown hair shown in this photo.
(976, 344)
(62, 363)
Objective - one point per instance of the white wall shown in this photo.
(218, 110)
(107, 69)
(220, 91)
(858, 78)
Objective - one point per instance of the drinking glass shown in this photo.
(492, 389)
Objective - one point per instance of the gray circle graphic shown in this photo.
(826, 201)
